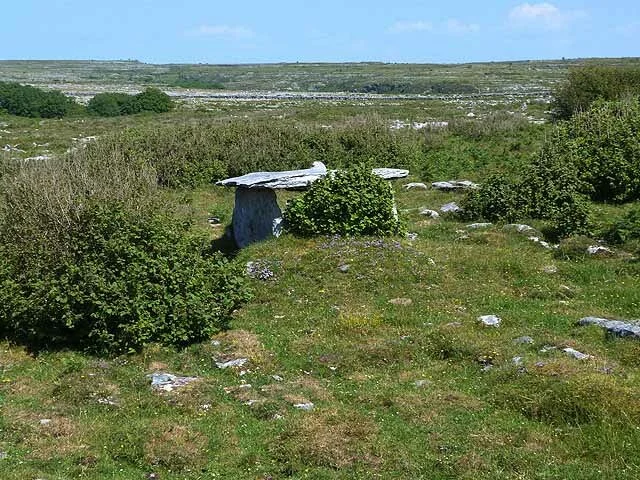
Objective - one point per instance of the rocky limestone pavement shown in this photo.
(167, 382)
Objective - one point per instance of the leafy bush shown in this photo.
(88, 261)
(603, 144)
(585, 85)
(626, 228)
(28, 101)
(348, 202)
(115, 104)
(109, 104)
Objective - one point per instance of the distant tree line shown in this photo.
(28, 101)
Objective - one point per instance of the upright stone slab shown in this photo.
(254, 215)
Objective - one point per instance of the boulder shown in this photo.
(430, 213)
(451, 185)
(451, 207)
(415, 186)
(614, 327)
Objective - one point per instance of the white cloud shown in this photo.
(410, 26)
(542, 15)
(226, 31)
(456, 26)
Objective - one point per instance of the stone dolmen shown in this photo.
(256, 214)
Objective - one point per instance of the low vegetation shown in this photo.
(323, 354)
(28, 101)
(115, 104)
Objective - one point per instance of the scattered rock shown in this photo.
(168, 382)
(576, 354)
(614, 327)
(471, 115)
(404, 302)
(547, 349)
(517, 361)
(412, 236)
(599, 250)
(415, 186)
(451, 207)
(238, 362)
(277, 378)
(525, 340)
(308, 406)
(422, 383)
(343, 268)
(3, 455)
(259, 269)
(213, 221)
(490, 320)
(108, 401)
(454, 185)
(45, 421)
(550, 269)
(390, 173)
(476, 226)
(540, 364)
(543, 243)
(429, 213)
(216, 343)
(520, 228)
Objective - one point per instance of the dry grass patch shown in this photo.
(244, 344)
(331, 439)
(176, 447)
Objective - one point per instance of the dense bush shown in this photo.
(348, 202)
(595, 154)
(587, 84)
(109, 104)
(604, 145)
(625, 228)
(28, 101)
(115, 104)
(89, 260)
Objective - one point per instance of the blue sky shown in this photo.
(208, 31)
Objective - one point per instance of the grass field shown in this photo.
(364, 356)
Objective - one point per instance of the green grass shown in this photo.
(316, 334)
(335, 340)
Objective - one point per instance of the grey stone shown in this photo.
(476, 226)
(576, 354)
(599, 250)
(3, 455)
(45, 421)
(614, 327)
(415, 186)
(308, 406)
(490, 320)
(451, 207)
(454, 185)
(412, 236)
(429, 213)
(551, 269)
(520, 228)
(108, 401)
(390, 173)
(343, 268)
(254, 215)
(525, 340)
(168, 382)
(238, 362)
(291, 179)
(517, 361)
(422, 383)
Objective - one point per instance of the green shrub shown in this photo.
(625, 229)
(603, 144)
(151, 100)
(28, 101)
(585, 85)
(349, 202)
(109, 104)
(497, 200)
(89, 260)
